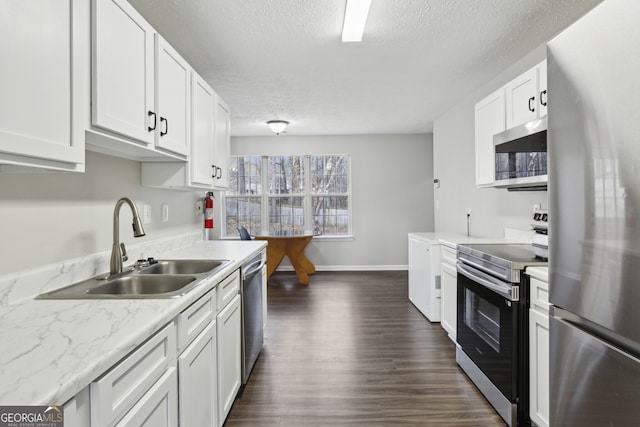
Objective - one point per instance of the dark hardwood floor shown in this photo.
(351, 350)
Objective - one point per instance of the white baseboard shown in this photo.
(352, 268)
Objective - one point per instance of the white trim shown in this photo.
(351, 268)
(323, 238)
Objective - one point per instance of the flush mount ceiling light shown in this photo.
(277, 126)
(355, 18)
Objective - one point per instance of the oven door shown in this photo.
(488, 327)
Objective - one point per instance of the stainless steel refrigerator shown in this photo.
(594, 230)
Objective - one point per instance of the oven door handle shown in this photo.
(511, 292)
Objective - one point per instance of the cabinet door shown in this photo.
(203, 100)
(123, 71)
(539, 367)
(118, 390)
(173, 76)
(197, 366)
(522, 99)
(489, 120)
(42, 82)
(449, 299)
(158, 407)
(542, 88)
(229, 357)
(223, 139)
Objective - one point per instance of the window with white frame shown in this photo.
(289, 193)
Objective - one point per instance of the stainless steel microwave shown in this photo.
(521, 156)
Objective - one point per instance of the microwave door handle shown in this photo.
(499, 288)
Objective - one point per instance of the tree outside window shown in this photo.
(303, 193)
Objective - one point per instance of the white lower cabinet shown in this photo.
(424, 276)
(229, 356)
(158, 407)
(449, 279)
(198, 383)
(187, 374)
(77, 411)
(539, 352)
(128, 384)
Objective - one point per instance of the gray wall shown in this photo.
(492, 209)
(51, 217)
(391, 188)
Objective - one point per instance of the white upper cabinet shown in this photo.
(198, 171)
(140, 87)
(521, 100)
(542, 87)
(123, 71)
(489, 120)
(222, 142)
(43, 45)
(203, 100)
(523, 96)
(173, 76)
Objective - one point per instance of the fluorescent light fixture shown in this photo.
(355, 18)
(277, 126)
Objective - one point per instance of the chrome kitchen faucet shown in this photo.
(118, 251)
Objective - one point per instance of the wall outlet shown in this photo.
(199, 207)
(468, 211)
(165, 212)
(537, 206)
(146, 214)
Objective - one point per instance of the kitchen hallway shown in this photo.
(351, 350)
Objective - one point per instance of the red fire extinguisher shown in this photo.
(208, 210)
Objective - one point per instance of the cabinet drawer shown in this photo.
(159, 407)
(448, 255)
(119, 389)
(228, 289)
(195, 318)
(539, 295)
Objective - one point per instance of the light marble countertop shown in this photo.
(540, 273)
(452, 239)
(52, 349)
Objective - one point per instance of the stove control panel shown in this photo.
(539, 221)
(539, 224)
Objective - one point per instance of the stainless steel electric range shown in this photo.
(493, 331)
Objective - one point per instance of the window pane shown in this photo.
(245, 175)
(245, 211)
(286, 175)
(286, 214)
(330, 215)
(329, 174)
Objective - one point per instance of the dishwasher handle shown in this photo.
(252, 268)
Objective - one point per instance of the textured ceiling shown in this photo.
(283, 59)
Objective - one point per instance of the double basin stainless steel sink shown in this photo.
(157, 279)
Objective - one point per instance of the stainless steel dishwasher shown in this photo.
(252, 334)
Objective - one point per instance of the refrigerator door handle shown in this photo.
(620, 342)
